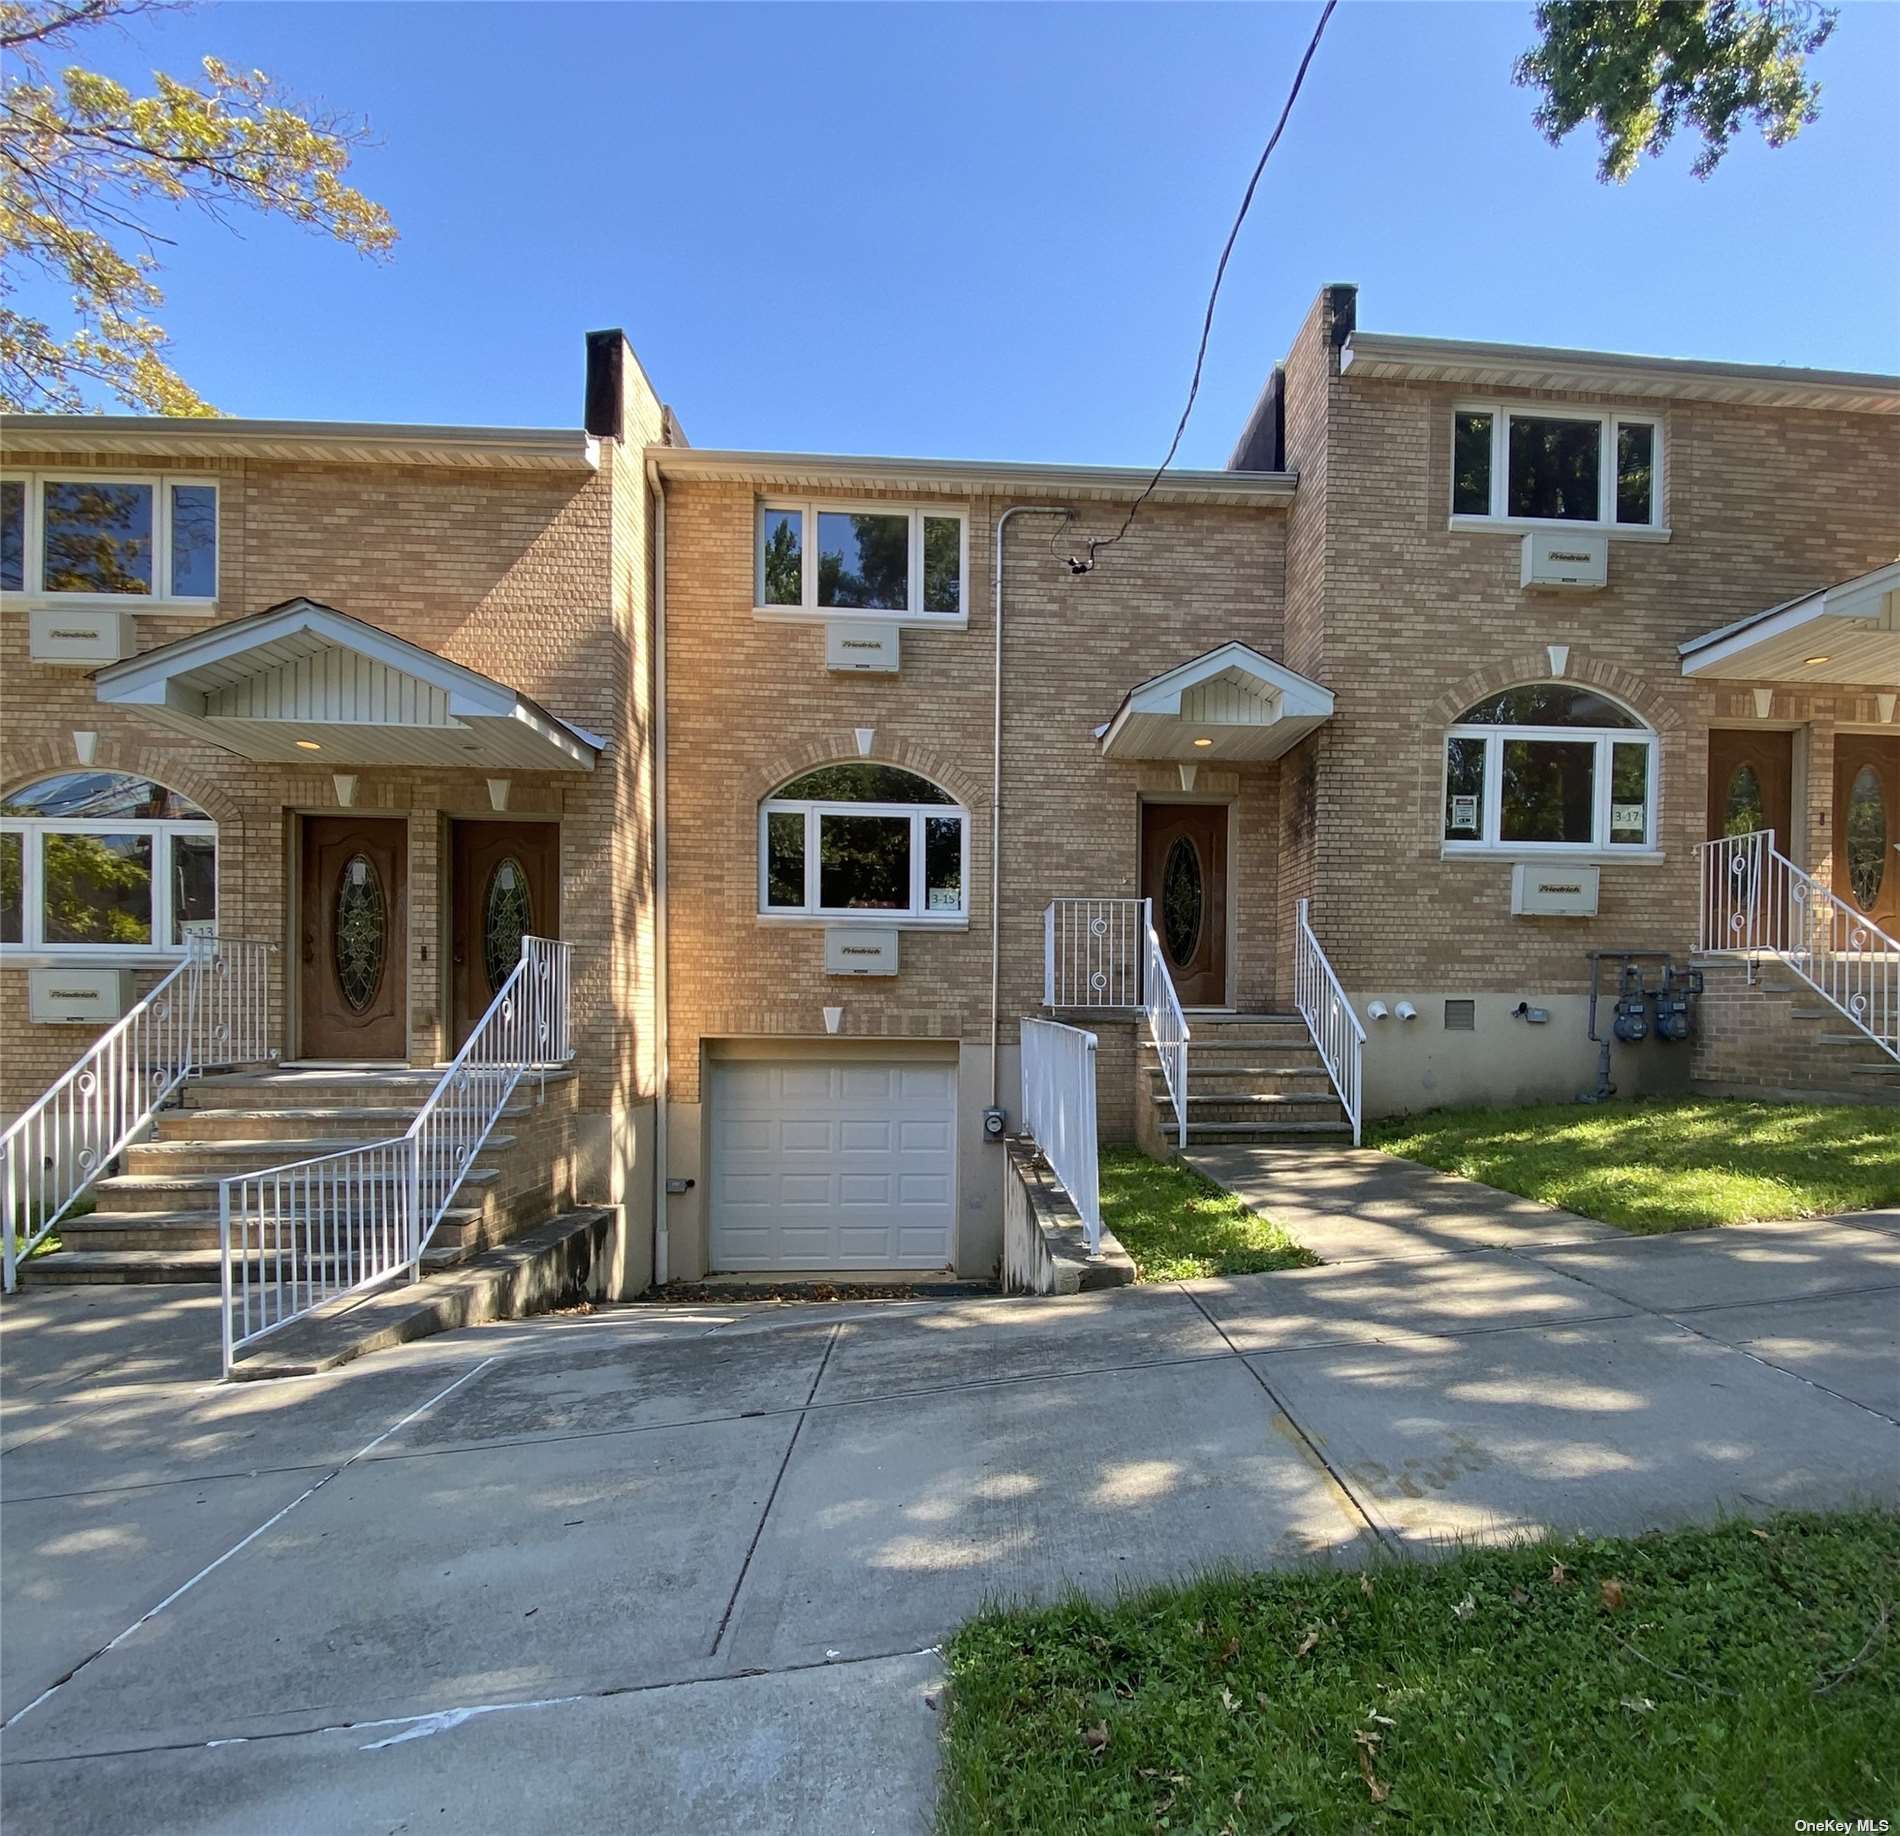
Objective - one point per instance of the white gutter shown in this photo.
(661, 1245)
(996, 785)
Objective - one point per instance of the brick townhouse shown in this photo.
(1480, 674)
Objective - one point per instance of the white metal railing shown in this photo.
(1092, 952)
(1757, 902)
(212, 1009)
(1167, 1025)
(1059, 1113)
(1329, 1018)
(297, 1236)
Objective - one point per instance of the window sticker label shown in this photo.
(1626, 816)
(945, 899)
(1464, 812)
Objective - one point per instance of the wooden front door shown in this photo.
(1184, 871)
(1867, 826)
(355, 944)
(505, 885)
(1751, 775)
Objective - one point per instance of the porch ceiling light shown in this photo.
(1817, 659)
(309, 745)
(1203, 740)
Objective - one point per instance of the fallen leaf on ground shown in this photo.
(1559, 1575)
(1379, 1792)
(1610, 1592)
(1641, 1704)
(1230, 1651)
(1096, 1737)
(1308, 1642)
(1466, 1607)
(1365, 1586)
(1228, 1700)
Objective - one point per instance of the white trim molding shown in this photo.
(1228, 705)
(1848, 632)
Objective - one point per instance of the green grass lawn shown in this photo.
(1726, 1680)
(1667, 1165)
(1177, 1225)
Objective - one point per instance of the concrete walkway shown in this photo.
(685, 1570)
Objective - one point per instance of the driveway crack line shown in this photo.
(771, 1497)
(243, 1543)
(1378, 1534)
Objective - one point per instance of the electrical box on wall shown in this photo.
(79, 640)
(1553, 892)
(850, 950)
(852, 646)
(1575, 563)
(74, 997)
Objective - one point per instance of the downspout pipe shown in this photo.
(996, 786)
(661, 1251)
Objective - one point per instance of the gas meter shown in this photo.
(1631, 1024)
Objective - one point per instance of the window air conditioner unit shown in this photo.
(80, 640)
(1577, 563)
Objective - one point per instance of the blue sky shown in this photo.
(985, 231)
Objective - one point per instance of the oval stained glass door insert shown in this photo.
(1746, 812)
(507, 917)
(362, 933)
(1866, 836)
(1183, 901)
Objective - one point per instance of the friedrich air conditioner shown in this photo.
(1572, 563)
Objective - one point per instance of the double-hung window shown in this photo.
(89, 536)
(98, 861)
(885, 560)
(1550, 464)
(1549, 765)
(863, 840)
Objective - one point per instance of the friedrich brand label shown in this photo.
(851, 951)
(857, 646)
(1578, 562)
(1552, 892)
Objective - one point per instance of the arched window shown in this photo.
(97, 860)
(1549, 765)
(861, 839)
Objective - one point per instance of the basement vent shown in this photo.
(1461, 1016)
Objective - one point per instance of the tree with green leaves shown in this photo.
(89, 174)
(1643, 69)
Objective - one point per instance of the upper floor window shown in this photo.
(93, 536)
(1549, 765)
(1549, 464)
(877, 558)
(97, 860)
(863, 838)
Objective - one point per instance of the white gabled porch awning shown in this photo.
(1849, 632)
(1230, 705)
(304, 684)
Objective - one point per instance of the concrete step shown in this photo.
(310, 1089)
(244, 1155)
(461, 1226)
(1261, 1099)
(146, 1192)
(1241, 1133)
(360, 1122)
(1222, 1076)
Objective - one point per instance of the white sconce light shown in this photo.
(345, 782)
(86, 745)
(1406, 1011)
(834, 1018)
(1559, 655)
(498, 793)
(1764, 702)
(1376, 1010)
(865, 736)
(1885, 703)
(1188, 774)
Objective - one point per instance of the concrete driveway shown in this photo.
(685, 1570)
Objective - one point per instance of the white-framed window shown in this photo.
(1541, 462)
(101, 862)
(829, 560)
(109, 536)
(862, 840)
(1549, 765)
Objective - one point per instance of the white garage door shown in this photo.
(833, 1163)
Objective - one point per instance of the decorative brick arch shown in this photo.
(48, 758)
(1527, 666)
(842, 749)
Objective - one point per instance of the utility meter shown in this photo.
(994, 1121)
(1631, 1024)
(1675, 1002)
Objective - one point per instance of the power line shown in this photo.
(1080, 566)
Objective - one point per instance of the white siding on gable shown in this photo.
(333, 686)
